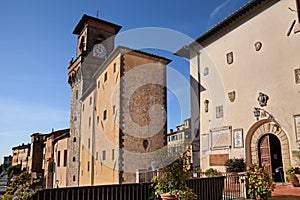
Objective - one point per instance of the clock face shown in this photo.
(99, 51)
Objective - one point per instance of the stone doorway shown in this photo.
(270, 156)
(255, 135)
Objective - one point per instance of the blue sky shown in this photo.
(36, 44)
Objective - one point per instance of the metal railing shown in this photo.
(234, 186)
(205, 189)
(104, 192)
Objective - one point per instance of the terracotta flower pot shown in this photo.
(168, 197)
(291, 182)
(298, 176)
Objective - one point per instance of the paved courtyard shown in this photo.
(286, 192)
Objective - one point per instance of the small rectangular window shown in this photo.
(58, 158)
(97, 119)
(105, 77)
(114, 109)
(90, 100)
(88, 166)
(89, 143)
(97, 155)
(90, 121)
(219, 111)
(83, 107)
(104, 155)
(104, 114)
(114, 67)
(76, 94)
(65, 157)
(98, 84)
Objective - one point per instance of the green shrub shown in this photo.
(259, 182)
(211, 172)
(235, 165)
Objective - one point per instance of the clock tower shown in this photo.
(94, 43)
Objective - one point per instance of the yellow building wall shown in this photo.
(60, 174)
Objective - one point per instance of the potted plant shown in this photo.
(197, 172)
(171, 183)
(259, 182)
(292, 173)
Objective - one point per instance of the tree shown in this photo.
(11, 170)
(21, 188)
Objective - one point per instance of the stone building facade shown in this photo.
(248, 86)
(118, 107)
(90, 31)
(21, 155)
(180, 142)
(49, 163)
(35, 160)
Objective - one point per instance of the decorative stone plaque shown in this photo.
(221, 138)
(218, 159)
(206, 71)
(297, 75)
(258, 46)
(238, 139)
(205, 142)
(231, 96)
(297, 126)
(229, 57)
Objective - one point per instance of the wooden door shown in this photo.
(265, 154)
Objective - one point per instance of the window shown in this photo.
(98, 84)
(103, 155)
(89, 143)
(219, 111)
(90, 100)
(114, 109)
(65, 157)
(83, 107)
(114, 67)
(76, 94)
(74, 139)
(112, 154)
(105, 77)
(74, 159)
(58, 158)
(74, 178)
(88, 166)
(104, 114)
(97, 119)
(90, 121)
(97, 155)
(180, 136)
